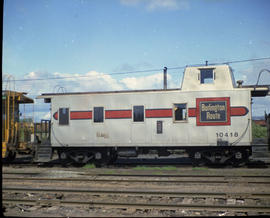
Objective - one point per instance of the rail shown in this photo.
(260, 180)
(137, 193)
(160, 206)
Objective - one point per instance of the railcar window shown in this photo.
(98, 114)
(138, 113)
(207, 76)
(180, 112)
(63, 116)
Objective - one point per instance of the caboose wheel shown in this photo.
(63, 158)
(103, 157)
(240, 157)
(78, 156)
(196, 159)
(81, 156)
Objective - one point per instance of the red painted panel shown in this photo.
(78, 115)
(228, 112)
(155, 113)
(118, 114)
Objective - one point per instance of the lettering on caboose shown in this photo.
(213, 111)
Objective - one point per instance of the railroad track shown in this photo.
(6, 172)
(210, 207)
(137, 193)
(141, 178)
(152, 192)
(244, 207)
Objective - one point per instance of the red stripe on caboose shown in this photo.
(192, 112)
(118, 114)
(156, 113)
(80, 115)
(55, 115)
(239, 111)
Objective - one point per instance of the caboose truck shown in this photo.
(209, 118)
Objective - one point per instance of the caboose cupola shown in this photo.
(208, 78)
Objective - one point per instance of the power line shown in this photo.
(228, 62)
(138, 71)
(248, 60)
(70, 77)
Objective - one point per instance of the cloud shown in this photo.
(147, 82)
(91, 81)
(152, 5)
(35, 75)
(106, 82)
(154, 81)
(167, 4)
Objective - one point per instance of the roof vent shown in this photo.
(240, 82)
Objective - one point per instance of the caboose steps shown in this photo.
(43, 152)
(260, 152)
(260, 148)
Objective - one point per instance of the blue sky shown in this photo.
(48, 38)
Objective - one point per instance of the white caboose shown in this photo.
(209, 117)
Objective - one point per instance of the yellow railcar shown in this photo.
(16, 135)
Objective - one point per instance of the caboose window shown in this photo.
(180, 112)
(207, 76)
(98, 114)
(63, 116)
(138, 113)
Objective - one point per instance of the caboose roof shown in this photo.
(258, 90)
(21, 98)
(48, 95)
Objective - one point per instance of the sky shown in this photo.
(94, 42)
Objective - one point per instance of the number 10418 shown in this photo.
(227, 134)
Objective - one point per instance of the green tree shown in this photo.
(258, 131)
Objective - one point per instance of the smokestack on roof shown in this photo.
(165, 78)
